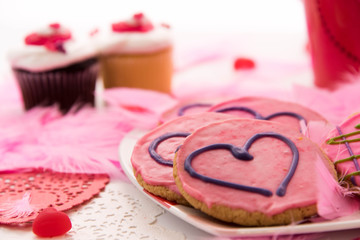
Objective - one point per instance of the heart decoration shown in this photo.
(259, 116)
(137, 23)
(154, 144)
(242, 153)
(52, 38)
(23, 195)
(51, 223)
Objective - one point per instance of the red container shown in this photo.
(334, 35)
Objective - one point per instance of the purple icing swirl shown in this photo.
(259, 116)
(183, 109)
(154, 144)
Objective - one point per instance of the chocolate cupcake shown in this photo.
(54, 68)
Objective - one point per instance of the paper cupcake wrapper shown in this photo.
(62, 87)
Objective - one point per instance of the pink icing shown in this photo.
(267, 106)
(174, 111)
(154, 173)
(340, 151)
(272, 159)
(52, 38)
(137, 23)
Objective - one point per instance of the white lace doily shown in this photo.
(119, 212)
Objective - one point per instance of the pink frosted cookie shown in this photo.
(343, 148)
(186, 108)
(153, 153)
(288, 113)
(250, 172)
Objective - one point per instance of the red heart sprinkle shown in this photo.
(243, 63)
(54, 25)
(49, 40)
(165, 25)
(94, 32)
(35, 39)
(138, 24)
(51, 223)
(138, 16)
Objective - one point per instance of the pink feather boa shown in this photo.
(83, 142)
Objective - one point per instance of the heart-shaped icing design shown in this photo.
(259, 116)
(154, 144)
(242, 153)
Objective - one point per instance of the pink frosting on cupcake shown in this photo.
(50, 48)
(136, 35)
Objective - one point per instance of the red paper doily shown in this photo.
(24, 194)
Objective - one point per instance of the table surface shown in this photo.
(265, 32)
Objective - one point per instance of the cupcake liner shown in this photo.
(151, 71)
(65, 87)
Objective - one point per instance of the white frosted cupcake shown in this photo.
(135, 53)
(52, 67)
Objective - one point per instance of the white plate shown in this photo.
(208, 224)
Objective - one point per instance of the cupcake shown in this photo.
(137, 54)
(52, 68)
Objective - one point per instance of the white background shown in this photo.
(20, 17)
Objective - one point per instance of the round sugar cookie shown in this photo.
(262, 108)
(186, 108)
(342, 146)
(191, 106)
(249, 172)
(154, 175)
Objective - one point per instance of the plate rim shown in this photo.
(188, 214)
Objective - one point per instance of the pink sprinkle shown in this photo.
(94, 32)
(138, 16)
(54, 25)
(165, 25)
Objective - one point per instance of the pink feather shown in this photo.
(332, 200)
(318, 131)
(334, 105)
(83, 142)
(18, 208)
(140, 100)
(142, 108)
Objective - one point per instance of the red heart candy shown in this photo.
(138, 23)
(51, 223)
(35, 39)
(55, 25)
(243, 63)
